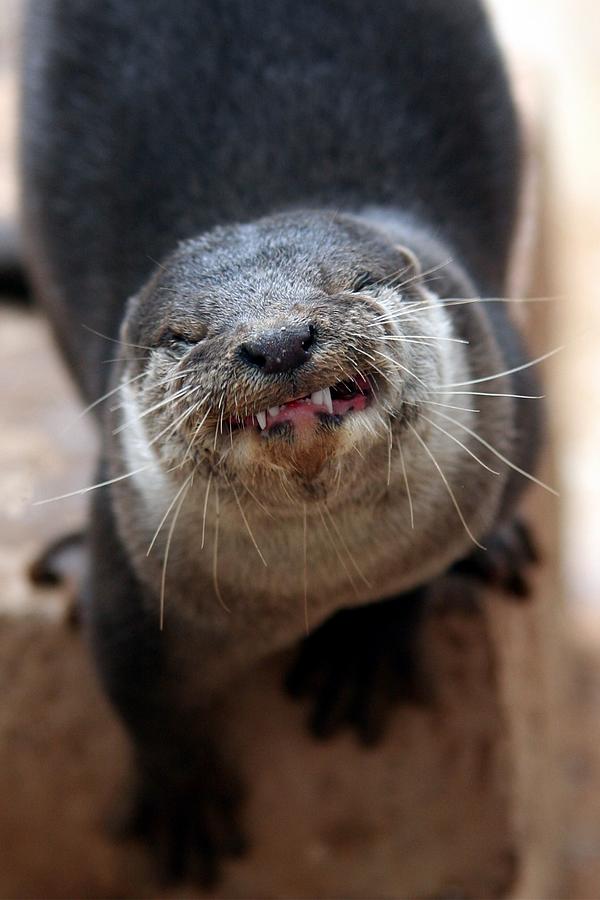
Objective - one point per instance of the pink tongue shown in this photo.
(302, 413)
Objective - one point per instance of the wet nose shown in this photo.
(281, 350)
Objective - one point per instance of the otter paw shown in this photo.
(190, 823)
(359, 665)
(63, 563)
(510, 551)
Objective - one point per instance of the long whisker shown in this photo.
(498, 454)
(527, 365)
(405, 310)
(215, 567)
(449, 405)
(163, 581)
(390, 445)
(245, 520)
(305, 569)
(353, 562)
(115, 340)
(172, 398)
(195, 434)
(460, 444)
(93, 487)
(399, 365)
(338, 553)
(104, 397)
(208, 484)
(172, 426)
(448, 488)
(421, 338)
(408, 494)
(493, 394)
(164, 518)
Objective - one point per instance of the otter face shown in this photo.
(284, 355)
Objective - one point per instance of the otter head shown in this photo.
(284, 356)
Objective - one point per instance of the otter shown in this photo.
(289, 220)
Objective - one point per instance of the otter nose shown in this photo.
(281, 350)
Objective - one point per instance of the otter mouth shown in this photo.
(329, 405)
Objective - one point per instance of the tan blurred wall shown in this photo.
(556, 47)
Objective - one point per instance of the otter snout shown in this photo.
(280, 350)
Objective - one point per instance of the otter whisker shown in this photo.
(338, 553)
(194, 438)
(447, 484)
(350, 556)
(164, 518)
(245, 520)
(208, 484)
(460, 444)
(215, 565)
(92, 487)
(493, 394)
(186, 485)
(172, 426)
(404, 368)
(120, 386)
(520, 368)
(162, 383)
(256, 500)
(417, 338)
(373, 364)
(408, 494)
(123, 359)
(305, 567)
(421, 276)
(449, 406)
(498, 454)
(170, 399)
(114, 340)
(221, 411)
(390, 445)
(404, 312)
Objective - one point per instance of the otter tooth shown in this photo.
(273, 410)
(262, 418)
(317, 398)
(327, 399)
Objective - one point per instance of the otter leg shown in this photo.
(360, 664)
(364, 661)
(510, 551)
(186, 801)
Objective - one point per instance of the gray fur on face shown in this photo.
(371, 319)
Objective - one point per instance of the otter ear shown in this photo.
(130, 308)
(412, 264)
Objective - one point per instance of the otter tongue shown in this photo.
(303, 412)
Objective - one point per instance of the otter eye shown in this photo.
(175, 339)
(363, 281)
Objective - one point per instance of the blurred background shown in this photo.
(552, 47)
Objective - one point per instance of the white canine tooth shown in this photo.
(262, 418)
(273, 411)
(317, 398)
(327, 399)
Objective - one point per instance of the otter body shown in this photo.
(277, 211)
